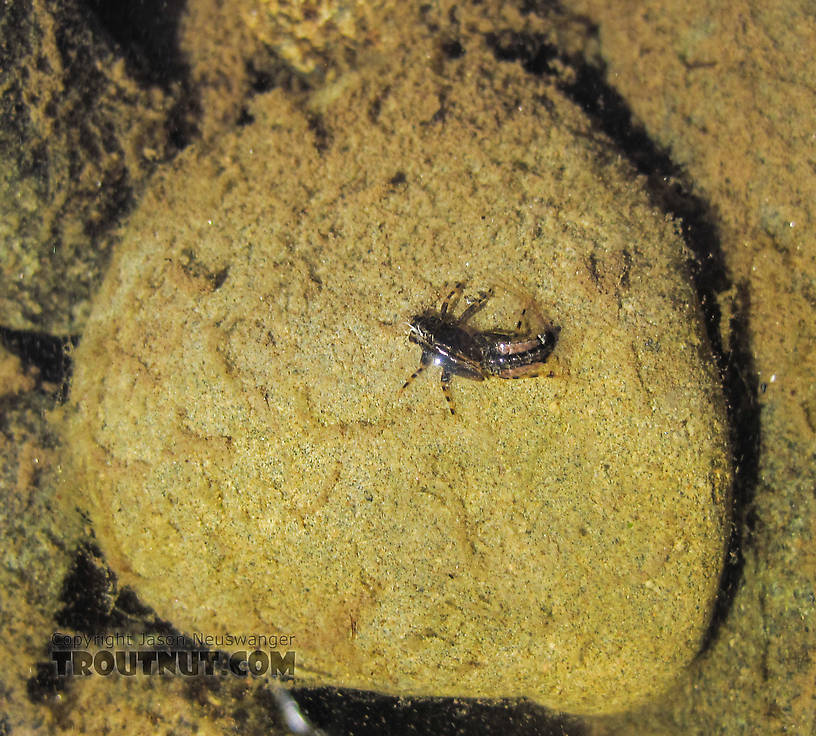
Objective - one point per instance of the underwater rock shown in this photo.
(78, 138)
(248, 462)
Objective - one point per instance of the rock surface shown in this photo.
(78, 139)
(749, 154)
(250, 467)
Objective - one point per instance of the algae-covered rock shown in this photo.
(249, 463)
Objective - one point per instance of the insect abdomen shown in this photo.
(518, 358)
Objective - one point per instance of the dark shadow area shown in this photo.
(670, 190)
(340, 711)
(146, 32)
(45, 684)
(741, 384)
(51, 356)
(93, 602)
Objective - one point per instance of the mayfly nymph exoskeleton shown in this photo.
(461, 349)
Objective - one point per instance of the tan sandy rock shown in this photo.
(312, 37)
(250, 466)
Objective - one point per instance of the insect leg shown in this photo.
(452, 298)
(476, 306)
(419, 370)
(446, 378)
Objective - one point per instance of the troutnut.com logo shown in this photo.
(189, 656)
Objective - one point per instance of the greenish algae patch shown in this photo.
(250, 466)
